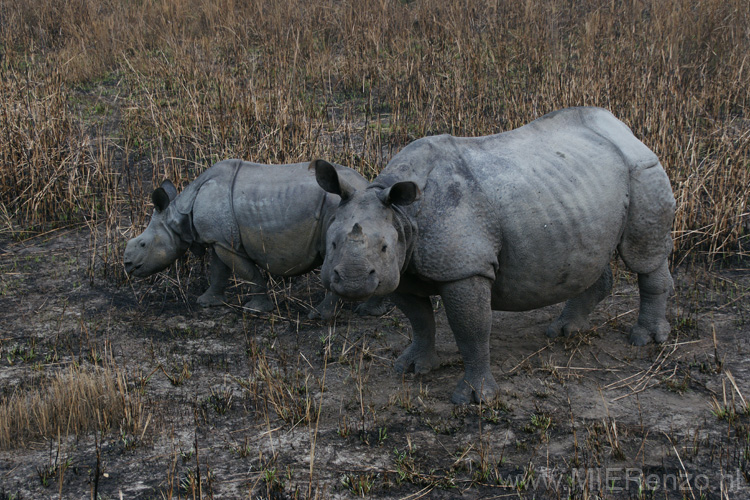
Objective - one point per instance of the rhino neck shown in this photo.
(181, 225)
(326, 210)
(407, 232)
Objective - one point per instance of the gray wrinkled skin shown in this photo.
(511, 222)
(250, 217)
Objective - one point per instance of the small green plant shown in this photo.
(539, 422)
(220, 400)
(128, 440)
(359, 484)
(406, 467)
(343, 429)
(186, 455)
(678, 386)
(273, 480)
(177, 375)
(52, 470)
(382, 435)
(242, 450)
(45, 474)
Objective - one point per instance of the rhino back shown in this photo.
(539, 209)
(275, 214)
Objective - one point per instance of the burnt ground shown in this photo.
(237, 405)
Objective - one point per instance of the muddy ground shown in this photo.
(238, 405)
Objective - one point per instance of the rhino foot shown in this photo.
(418, 359)
(210, 299)
(260, 304)
(567, 327)
(321, 314)
(373, 307)
(475, 388)
(641, 335)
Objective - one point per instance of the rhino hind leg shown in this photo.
(467, 306)
(249, 272)
(420, 357)
(654, 287)
(219, 276)
(645, 246)
(574, 317)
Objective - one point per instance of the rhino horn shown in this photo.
(356, 232)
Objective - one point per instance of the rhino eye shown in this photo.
(333, 245)
(143, 244)
(385, 247)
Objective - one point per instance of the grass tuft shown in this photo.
(75, 400)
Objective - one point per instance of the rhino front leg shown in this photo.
(248, 272)
(654, 289)
(375, 306)
(326, 309)
(574, 316)
(421, 356)
(469, 312)
(219, 277)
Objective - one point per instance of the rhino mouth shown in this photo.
(131, 269)
(351, 295)
(361, 290)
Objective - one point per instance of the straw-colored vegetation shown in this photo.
(72, 401)
(181, 84)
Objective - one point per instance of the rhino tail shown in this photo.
(646, 241)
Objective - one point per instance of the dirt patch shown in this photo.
(275, 406)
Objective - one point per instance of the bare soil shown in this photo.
(240, 405)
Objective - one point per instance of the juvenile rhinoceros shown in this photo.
(511, 222)
(249, 215)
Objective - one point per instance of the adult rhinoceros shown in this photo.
(512, 222)
(250, 216)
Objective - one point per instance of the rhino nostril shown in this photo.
(372, 271)
(336, 276)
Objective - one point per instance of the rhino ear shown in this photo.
(328, 178)
(170, 189)
(401, 193)
(160, 199)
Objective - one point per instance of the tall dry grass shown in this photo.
(199, 80)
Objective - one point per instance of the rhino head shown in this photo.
(368, 241)
(160, 244)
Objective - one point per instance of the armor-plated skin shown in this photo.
(250, 216)
(513, 221)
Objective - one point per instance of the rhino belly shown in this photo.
(522, 285)
(287, 251)
(558, 240)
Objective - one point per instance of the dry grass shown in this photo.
(49, 171)
(188, 82)
(74, 400)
